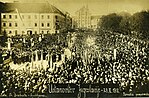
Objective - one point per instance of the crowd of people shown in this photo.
(131, 64)
(129, 68)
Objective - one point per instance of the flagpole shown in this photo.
(20, 18)
(41, 58)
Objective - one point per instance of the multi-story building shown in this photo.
(32, 18)
(74, 23)
(95, 22)
(1, 11)
(83, 17)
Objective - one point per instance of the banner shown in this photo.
(83, 90)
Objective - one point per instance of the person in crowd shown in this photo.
(129, 69)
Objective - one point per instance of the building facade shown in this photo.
(74, 22)
(33, 18)
(83, 17)
(95, 22)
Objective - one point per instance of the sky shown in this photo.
(96, 7)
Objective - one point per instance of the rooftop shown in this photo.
(31, 8)
(96, 17)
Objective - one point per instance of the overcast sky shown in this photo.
(98, 7)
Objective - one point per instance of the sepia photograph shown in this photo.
(74, 48)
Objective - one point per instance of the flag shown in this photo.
(24, 40)
(20, 16)
(137, 50)
(32, 43)
(9, 44)
(41, 55)
(63, 58)
(115, 54)
(40, 38)
(36, 55)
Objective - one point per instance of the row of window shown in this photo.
(93, 26)
(43, 24)
(83, 20)
(9, 24)
(9, 16)
(27, 16)
(10, 32)
(15, 24)
(16, 32)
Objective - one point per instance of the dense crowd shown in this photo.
(132, 61)
(130, 68)
(23, 46)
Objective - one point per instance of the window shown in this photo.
(56, 23)
(48, 17)
(29, 17)
(35, 32)
(35, 16)
(47, 32)
(42, 24)
(42, 17)
(23, 32)
(16, 24)
(35, 24)
(48, 24)
(15, 16)
(16, 32)
(42, 32)
(10, 24)
(56, 17)
(4, 24)
(4, 16)
(10, 16)
(10, 32)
